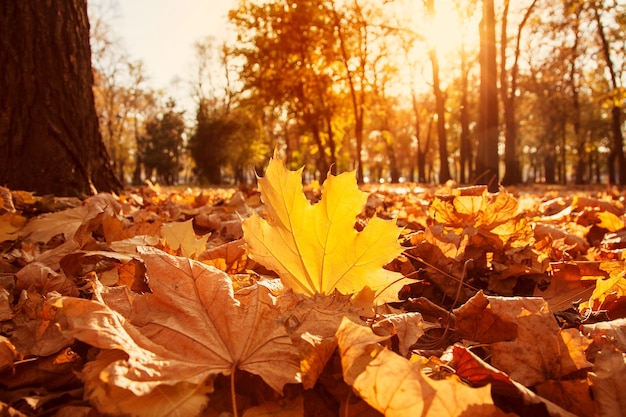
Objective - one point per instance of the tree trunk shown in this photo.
(581, 154)
(549, 165)
(617, 145)
(513, 173)
(487, 160)
(49, 137)
(466, 144)
(444, 167)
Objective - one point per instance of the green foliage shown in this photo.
(164, 144)
(224, 142)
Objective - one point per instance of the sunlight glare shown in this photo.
(446, 32)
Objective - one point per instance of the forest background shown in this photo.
(392, 89)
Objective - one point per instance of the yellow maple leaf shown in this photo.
(610, 221)
(315, 248)
(615, 283)
(10, 224)
(181, 236)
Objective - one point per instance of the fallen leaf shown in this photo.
(614, 330)
(316, 249)
(188, 329)
(509, 394)
(8, 354)
(230, 257)
(45, 280)
(610, 221)
(285, 408)
(608, 382)
(6, 306)
(569, 283)
(312, 323)
(572, 395)
(398, 387)
(10, 224)
(181, 236)
(530, 359)
(475, 321)
(179, 399)
(407, 327)
(6, 201)
(613, 284)
(67, 222)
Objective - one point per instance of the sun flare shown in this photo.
(451, 29)
(447, 31)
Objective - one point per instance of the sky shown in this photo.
(162, 33)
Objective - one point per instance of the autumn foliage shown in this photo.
(295, 301)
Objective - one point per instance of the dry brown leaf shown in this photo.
(188, 329)
(10, 224)
(8, 354)
(178, 399)
(44, 280)
(6, 307)
(568, 284)
(230, 257)
(6, 201)
(572, 395)
(608, 382)
(614, 330)
(398, 387)
(475, 321)
(118, 228)
(511, 395)
(541, 350)
(285, 408)
(408, 327)
(67, 222)
(33, 328)
(312, 323)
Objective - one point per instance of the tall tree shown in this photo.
(164, 144)
(617, 159)
(49, 137)
(287, 49)
(444, 168)
(508, 89)
(466, 11)
(487, 160)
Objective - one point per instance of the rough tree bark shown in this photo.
(49, 137)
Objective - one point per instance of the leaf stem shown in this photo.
(233, 394)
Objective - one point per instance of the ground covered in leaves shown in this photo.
(315, 301)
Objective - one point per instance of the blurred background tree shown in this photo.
(391, 89)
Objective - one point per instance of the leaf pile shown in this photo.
(401, 301)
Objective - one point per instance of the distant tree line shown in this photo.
(361, 84)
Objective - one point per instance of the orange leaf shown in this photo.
(190, 328)
(476, 321)
(398, 387)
